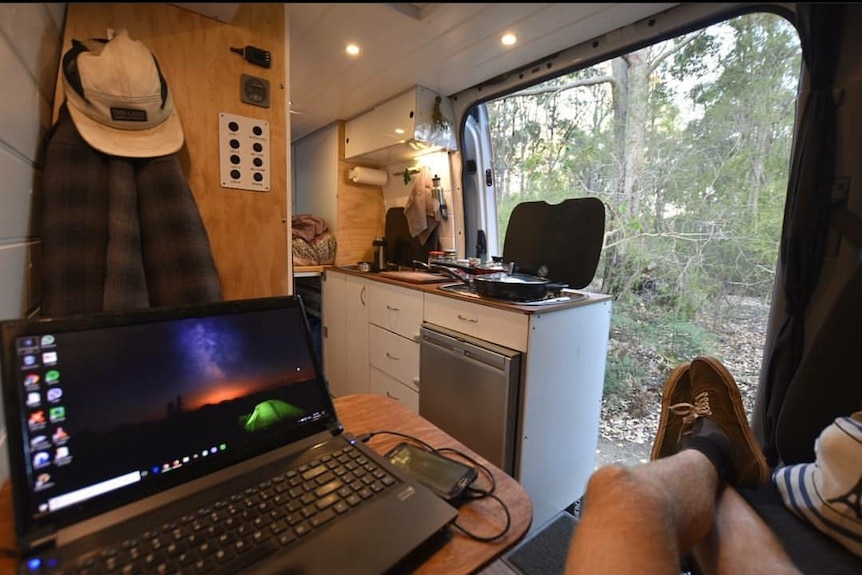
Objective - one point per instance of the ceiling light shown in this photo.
(352, 50)
(509, 39)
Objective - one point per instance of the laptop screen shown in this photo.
(111, 407)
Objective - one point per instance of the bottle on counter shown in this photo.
(379, 245)
(440, 196)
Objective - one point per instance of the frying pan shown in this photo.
(502, 285)
(515, 286)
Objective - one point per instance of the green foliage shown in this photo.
(646, 338)
(688, 145)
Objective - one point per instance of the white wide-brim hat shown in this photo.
(828, 492)
(118, 98)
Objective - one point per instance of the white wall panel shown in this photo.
(13, 286)
(26, 113)
(30, 44)
(57, 11)
(32, 32)
(16, 194)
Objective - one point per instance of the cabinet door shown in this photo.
(396, 309)
(334, 331)
(507, 328)
(356, 342)
(383, 384)
(395, 355)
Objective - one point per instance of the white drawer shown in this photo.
(507, 328)
(382, 384)
(395, 308)
(395, 355)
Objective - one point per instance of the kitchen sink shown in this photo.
(460, 288)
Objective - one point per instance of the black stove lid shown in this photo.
(561, 242)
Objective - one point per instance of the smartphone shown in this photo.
(444, 476)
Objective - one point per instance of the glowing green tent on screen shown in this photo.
(267, 413)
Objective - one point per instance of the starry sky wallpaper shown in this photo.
(140, 373)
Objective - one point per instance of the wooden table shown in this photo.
(371, 413)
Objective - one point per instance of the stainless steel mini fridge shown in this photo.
(471, 389)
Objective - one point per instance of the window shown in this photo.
(687, 142)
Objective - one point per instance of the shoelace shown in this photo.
(690, 412)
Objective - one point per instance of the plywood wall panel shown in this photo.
(361, 216)
(247, 230)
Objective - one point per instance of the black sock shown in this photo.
(708, 438)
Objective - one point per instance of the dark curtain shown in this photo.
(806, 215)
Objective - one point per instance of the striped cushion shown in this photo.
(828, 492)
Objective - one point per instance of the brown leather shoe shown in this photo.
(715, 395)
(676, 392)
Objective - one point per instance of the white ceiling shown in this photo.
(446, 47)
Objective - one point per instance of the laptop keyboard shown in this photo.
(234, 532)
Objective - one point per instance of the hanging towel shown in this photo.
(118, 233)
(421, 209)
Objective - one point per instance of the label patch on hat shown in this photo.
(128, 115)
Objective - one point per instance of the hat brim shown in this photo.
(166, 138)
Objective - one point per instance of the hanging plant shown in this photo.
(437, 115)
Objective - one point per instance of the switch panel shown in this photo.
(244, 153)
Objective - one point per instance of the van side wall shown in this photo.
(248, 230)
(30, 41)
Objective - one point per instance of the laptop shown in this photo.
(163, 440)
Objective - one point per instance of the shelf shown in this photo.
(308, 271)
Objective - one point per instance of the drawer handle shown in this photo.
(470, 319)
(392, 308)
(391, 396)
(390, 356)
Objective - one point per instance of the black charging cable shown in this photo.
(470, 492)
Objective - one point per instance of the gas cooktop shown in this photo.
(561, 296)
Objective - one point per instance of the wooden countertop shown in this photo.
(365, 413)
(434, 288)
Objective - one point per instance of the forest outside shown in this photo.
(687, 142)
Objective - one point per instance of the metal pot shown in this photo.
(514, 286)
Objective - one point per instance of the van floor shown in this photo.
(499, 567)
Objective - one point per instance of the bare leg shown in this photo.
(643, 519)
(740, 542)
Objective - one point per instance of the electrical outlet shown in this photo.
(254, 90)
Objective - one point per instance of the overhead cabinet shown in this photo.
(396, 130)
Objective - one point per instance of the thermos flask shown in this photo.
(379, 245)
